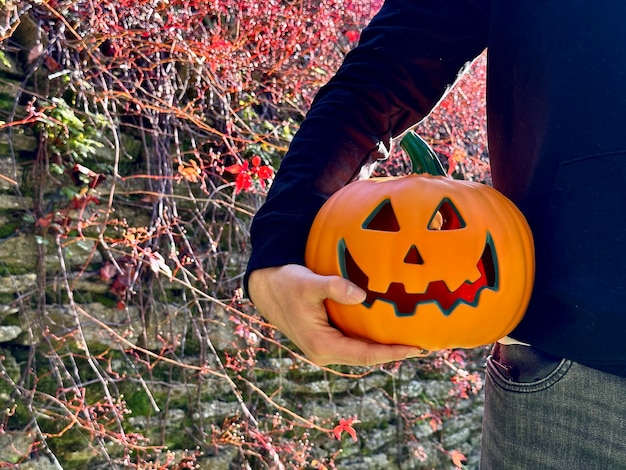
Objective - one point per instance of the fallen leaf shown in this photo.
(457, 458)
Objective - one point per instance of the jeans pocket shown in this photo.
(525, 369)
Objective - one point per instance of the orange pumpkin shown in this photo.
(445, 263)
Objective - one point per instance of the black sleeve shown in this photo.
(408, 56)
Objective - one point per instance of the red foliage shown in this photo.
(247, 175)
(345, 425)
(236, 71)
(457, 128)
(213, 90)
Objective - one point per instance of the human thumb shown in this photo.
(344, 292)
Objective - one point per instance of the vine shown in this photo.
(159, 126)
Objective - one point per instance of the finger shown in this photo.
(342, 291)
(374, 354)
(341, 350)
(437, 222)
(329, 346)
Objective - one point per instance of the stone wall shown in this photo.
(397, 428)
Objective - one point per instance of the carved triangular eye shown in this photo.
(449, 218)
(383, 218)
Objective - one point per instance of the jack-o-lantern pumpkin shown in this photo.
(445, 263)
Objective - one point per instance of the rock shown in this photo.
(77, 254)
(7, 167)
(217, 409)
(8, 333)
(22, 245)
(17, 283)
(39, 463)
(372, 462)
(15, 446)
(320, 387)
(7, 311)
(15, 202)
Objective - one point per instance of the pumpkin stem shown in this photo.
(423, 157)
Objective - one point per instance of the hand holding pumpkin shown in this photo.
(292, 298)
(445, 263)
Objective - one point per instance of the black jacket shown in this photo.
(556, 98)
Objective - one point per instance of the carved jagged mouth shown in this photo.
(406, 303)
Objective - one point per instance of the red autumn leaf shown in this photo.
(352, 35)
(234, 169)
(247, 175)
(45, 221)
(457, 356)
(52, 64)
(345, 425)
(457, 458)
(81, 201)
(243, 182)
(237, 168)
(434, 423)
(266, 172)
(119, 286)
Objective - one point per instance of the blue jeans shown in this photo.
(542, 413)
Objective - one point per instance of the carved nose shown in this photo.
(413, 256)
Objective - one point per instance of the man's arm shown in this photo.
(407, 58)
